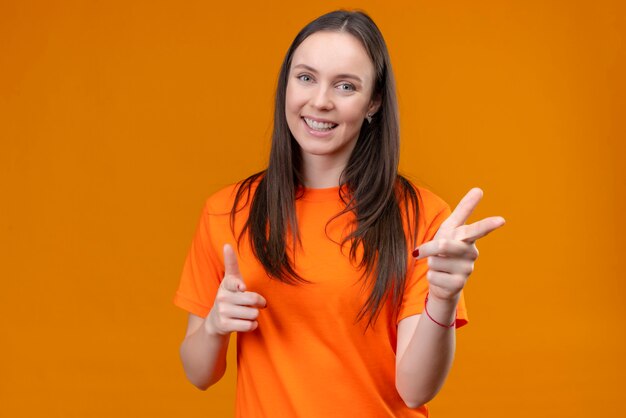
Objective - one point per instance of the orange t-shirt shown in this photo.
(308, 357)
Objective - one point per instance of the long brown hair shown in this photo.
(374, 191)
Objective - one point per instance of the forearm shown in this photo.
(425, 363)
(203, 354)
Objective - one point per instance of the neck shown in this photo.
(320, 172)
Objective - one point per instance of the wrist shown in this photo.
(448, 300)
(211, 329)
(440, 311)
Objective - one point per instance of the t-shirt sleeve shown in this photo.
(416, 286)
(202, 271)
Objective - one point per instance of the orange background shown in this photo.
(118, 118)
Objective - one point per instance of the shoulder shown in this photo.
(429, 204)
(223, 200)
(433, 211)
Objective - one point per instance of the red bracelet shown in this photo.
(434, 320)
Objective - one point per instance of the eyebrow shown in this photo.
(313, 70)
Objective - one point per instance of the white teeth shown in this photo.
(319, 126)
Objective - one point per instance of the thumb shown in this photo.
(231, 267)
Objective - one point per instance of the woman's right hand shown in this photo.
(234, 310)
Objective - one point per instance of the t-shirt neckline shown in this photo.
(326, 194)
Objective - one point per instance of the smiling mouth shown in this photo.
(319, 126)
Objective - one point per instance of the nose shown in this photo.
(322, 98)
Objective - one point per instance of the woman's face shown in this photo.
(329, 93)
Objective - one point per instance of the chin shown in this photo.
(327, 150)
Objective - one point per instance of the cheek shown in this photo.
(292, 99)
(292, 110)
(354, 114)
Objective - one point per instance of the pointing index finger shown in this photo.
(231, 267)
(470, 233)
(466, 233)
(463, 210)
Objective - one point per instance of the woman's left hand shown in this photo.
(452, 251)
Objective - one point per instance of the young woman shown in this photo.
(342, 279)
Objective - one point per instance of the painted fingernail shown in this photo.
(416, 253)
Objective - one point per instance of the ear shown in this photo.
(374, 105)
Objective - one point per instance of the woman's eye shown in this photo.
(304, 77)
(346, 87)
